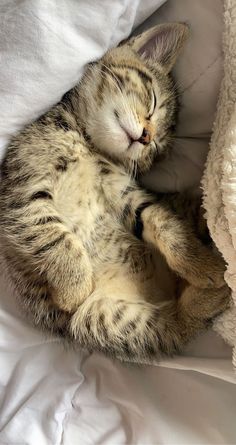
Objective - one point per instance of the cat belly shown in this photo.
(122, 264)
(133, 271)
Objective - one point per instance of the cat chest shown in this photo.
(78, 196)
(82, 198)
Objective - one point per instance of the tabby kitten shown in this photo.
(94, 257)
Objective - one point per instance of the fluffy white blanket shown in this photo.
(219, 181)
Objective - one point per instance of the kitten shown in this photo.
(94, 257)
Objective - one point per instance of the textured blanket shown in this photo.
(219, 180)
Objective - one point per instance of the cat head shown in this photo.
(127, 100)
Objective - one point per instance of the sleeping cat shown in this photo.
(94, 257)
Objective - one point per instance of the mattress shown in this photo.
(53, 395)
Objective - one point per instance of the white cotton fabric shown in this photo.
(52, 396)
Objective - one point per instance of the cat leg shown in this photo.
(41, 249)
(188, 206)
(183, 251)
(68, 271)
(137, 330)
(159, 224)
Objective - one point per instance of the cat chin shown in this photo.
(134, 151)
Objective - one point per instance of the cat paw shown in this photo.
(205, 304)
(76, 287)
(221, 301)
(216, 302)
(211, 271)
(70, 301)
(204, 269)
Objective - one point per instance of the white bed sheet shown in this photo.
(52, 396)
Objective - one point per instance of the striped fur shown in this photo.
(70, 208)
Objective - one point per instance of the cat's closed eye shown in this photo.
(153, 105)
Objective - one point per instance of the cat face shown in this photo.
(128, 100)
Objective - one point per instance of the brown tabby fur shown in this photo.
(70, 211)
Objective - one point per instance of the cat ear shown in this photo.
(162, 43)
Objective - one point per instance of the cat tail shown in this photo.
(123, 329)
(135, 330)
(131, 330)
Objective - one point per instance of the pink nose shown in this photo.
(145, 138)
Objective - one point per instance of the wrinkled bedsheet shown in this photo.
(50, 395)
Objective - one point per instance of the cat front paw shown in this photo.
(75, 286)
(207, 271)
(71, 300)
